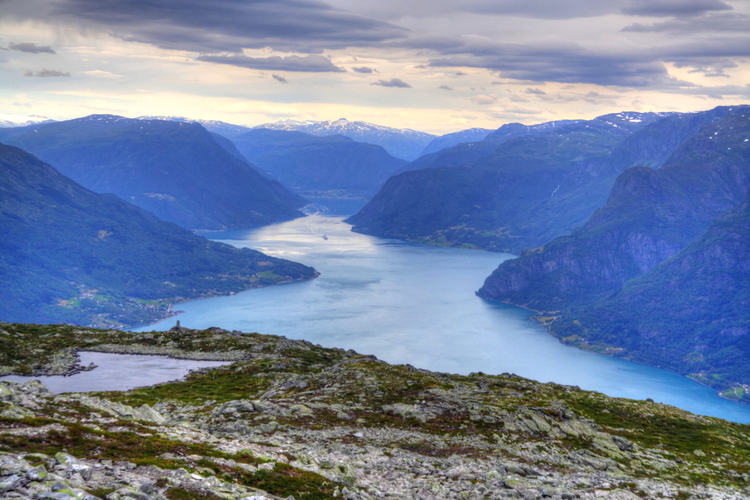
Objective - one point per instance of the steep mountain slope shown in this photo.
(450, 140)
(176, 170)
(401, 143)
(531, 189)
(527, 191)
(691, 313)
(650, 216)
(319, 166)
(70, 255)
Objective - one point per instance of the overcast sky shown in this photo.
(433, 65)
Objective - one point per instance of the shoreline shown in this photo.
(549, 332)
(208, 296)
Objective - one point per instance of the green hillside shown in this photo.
(70, 255)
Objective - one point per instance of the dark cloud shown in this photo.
(31, 48)
(46, 73)
(556, 9)
(445, 87)
(709, 67)
(230, 25)
(311, 63)
(673, 8)
(722, 23)
(559, 62)
(535, 91)
(483, 100)
(279, 78)
(393, 82)
(460, 73)
(566, 62)
(544, 9)
(364, 69)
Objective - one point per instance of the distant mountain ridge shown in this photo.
(176, 170)
(331, 167)
(454, 138)
(22, 121)
(405, 143)
(225, 129)
(70, 255)
(508, 196)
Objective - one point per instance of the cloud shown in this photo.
(393, 82)
(460, 73)
(709, 67)
(229, 25)
(557, 62)
(565, 62)
(46, 73)
(555, 9)
(535, 91)
(31, 48)
(312, 63)
(483, 100)
(96, 73)
(364, 69)
(445, 87)
(279, 78)
(673, 8)
(721, 23)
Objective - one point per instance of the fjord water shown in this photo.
(415, 304)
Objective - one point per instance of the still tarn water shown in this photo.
(415, 304)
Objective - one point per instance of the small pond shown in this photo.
(119, 372)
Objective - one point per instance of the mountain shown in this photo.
(224, 129)
(450, 140)
(176, 170)
(650, 216)
(289, 419)
(401, 143)
(70, 255)
(689, 314)
(511, 130)
(319, 166)
(520, 193)
(8, 121)
(466, 152)
(654, 275)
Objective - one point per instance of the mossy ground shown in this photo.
(476, 416)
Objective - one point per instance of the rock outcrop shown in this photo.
(298, 420)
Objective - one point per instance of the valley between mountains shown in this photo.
(630, 236)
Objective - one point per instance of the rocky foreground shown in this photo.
(291, 419)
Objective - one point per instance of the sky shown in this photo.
(437, 66)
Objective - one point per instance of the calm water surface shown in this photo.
(119, 372)
(408, 303)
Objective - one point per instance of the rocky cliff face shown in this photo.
(521, 192)
(688, 313)
(290, 419)
(650, 216)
